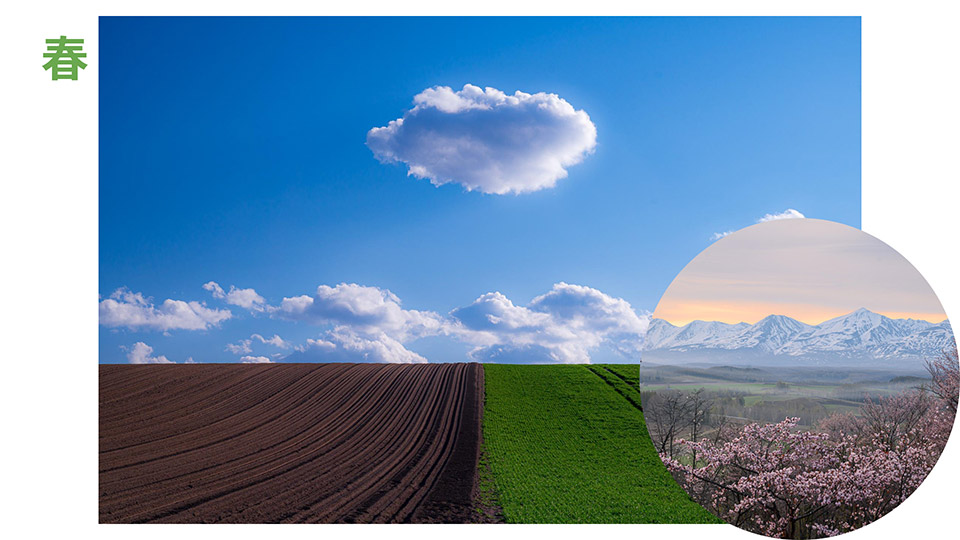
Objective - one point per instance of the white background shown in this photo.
(49, 209)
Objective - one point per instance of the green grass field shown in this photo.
(565, 445)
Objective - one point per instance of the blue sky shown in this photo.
(236, 151)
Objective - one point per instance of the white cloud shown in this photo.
(134, 311)
(245, 298)
(367, 310)
(276, 341)
(240, 347)
(563, 325)
(140, 353)
(789, 213)
(244, 345)
(486, 140)
(319, 344)
(347, 345)
(369, 324)
(376, 347)
(255, 360)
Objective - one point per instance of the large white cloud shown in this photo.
(563, 325)
(245, 298)
(141, 353)
(132, 310)
(486, 140)
(369, 324)
(364, 309)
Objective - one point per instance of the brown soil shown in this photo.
(315, 443)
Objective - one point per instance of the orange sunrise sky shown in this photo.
(808, 269)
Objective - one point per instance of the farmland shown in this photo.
(568, 444)
(769, 394)
(289, 443)
(372, 443)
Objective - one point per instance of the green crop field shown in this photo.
(568, 444)
(628, 372)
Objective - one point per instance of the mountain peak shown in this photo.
(861, 316)
(864, 313)
(776, 317)
(779, 321)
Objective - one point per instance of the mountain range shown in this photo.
(858, 337)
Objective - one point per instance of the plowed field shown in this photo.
(281, 443)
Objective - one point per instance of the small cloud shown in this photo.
(240, 347)
(789, 213)
(132, 310)
(244, 345)
(486, 140)
(255, 360)
(321, 344)
(140, 353)
(276, 341)
(245, 298)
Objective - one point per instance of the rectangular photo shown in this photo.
(401, 269)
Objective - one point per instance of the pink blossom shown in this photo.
(778, 481)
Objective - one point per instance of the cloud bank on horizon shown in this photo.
(486, 140)
(369, 324)
(562, 325)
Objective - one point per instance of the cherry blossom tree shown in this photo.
(850, 470)
(945, 372)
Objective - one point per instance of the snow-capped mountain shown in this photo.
(861, 335)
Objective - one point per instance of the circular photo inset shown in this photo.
(799, 378)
